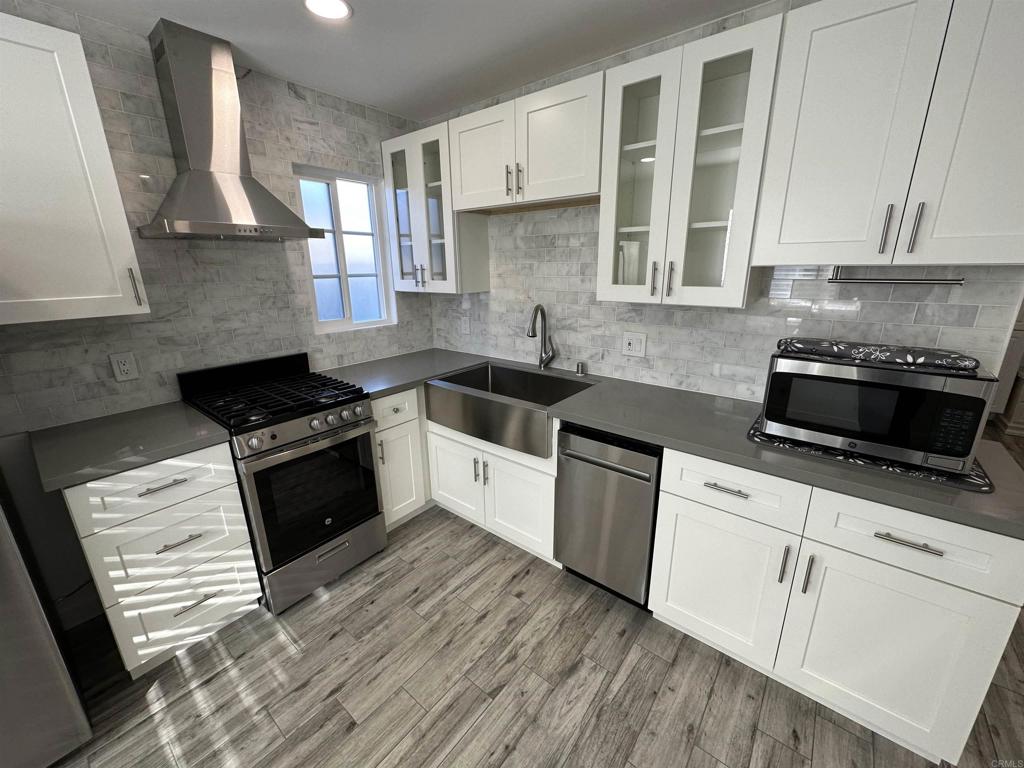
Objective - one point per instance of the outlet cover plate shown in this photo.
(634, 344)
(124, 366)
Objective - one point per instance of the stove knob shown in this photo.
(314, 424)
(346, 414)
(255, 442)
(358, 410)
(331, 419)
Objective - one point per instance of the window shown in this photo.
(350, 280)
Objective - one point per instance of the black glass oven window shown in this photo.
(311, 499)
(843, 406)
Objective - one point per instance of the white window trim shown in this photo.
(380, 252)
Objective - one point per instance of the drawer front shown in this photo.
(117, 499)
(966, 557)
(763, 498)
(395, 409)
(186, 608)
(131, 557)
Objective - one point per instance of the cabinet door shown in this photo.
(400, 158)
(850, 102)
(558, 140)
(636, 175)
(721, 577)
(400, 457)
(899, 652)
(724, 103)
(520, 504)
(455, 478)
(483, 157)
(969, 179)
(67, 251)
(438, 274)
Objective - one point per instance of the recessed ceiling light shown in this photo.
(330, 9)
(646, 159)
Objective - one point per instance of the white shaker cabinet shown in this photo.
(519, 504)
(66, 248)
(722, 578)
(909, 655)
(851, 97)
(966, 201)
(455, 478)
(483, 157)
(400, 459)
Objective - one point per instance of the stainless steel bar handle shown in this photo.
(723, 489)
(922, 547)
(782, 568)
(519, 179)
(416, 275)
(423, 276)
(476, 470)
(196, 604)
(807, 575)
(164, 487)
(175, 545)
(135, 286)
(913, 229)
(332, 551)
(508, 180)
(885, 227)
(380, 445)
(636, 474)
(668, 278)
(654, 277)
(485, 471)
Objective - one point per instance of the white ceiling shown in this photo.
(419, 58)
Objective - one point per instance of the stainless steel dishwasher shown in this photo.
(605, 498)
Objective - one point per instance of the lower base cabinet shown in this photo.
(512, 500)
(910, 655)
(400, 462)
(721, 577)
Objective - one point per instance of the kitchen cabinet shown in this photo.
(433, 250)
(722, 578)
(400, 463)
(542, 146)
(911, 656)
(67, 249)
(455, 477)
(684, 142)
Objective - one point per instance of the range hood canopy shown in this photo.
(214, 194)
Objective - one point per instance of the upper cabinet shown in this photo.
(67, 250)
(424, 232)
(852, 110)
(694, 121)
(543, 146)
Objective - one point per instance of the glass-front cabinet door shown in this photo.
(636, 175)
(724, 104)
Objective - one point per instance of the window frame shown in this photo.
(377, 204)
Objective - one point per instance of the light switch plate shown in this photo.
(124, 366)
(634, 344)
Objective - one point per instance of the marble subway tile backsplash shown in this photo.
(550, 257)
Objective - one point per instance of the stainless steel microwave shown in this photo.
(928, 417)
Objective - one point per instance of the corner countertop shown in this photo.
(77, 453)
(394, 374)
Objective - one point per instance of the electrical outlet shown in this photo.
(634, 344)
(464, 326)
(124, 366)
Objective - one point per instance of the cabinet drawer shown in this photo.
(976, 560)
(117, 499)
(186, 608)
(766, 499)
(395, 409)
(130, 557)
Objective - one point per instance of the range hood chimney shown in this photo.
(214, 195)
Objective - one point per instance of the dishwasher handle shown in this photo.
(611, 466)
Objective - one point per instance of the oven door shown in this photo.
(899, 415)
(302, 496)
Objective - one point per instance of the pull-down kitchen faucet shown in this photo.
(547, 346)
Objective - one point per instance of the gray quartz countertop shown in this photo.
(393, 374)
(88, 450)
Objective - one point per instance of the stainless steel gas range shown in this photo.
(303, 448)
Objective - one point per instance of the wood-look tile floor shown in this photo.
(453, 648)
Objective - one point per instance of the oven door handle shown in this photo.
(248, 466)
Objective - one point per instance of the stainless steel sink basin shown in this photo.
(507, 406)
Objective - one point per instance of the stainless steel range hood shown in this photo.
(214, 194)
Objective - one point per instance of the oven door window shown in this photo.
(905, 417)
(313, 498)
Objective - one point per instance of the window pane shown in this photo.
(328, 298)
(354, 201)
(316, 203)
(359, 254)
(365, 298)
(323, 256)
